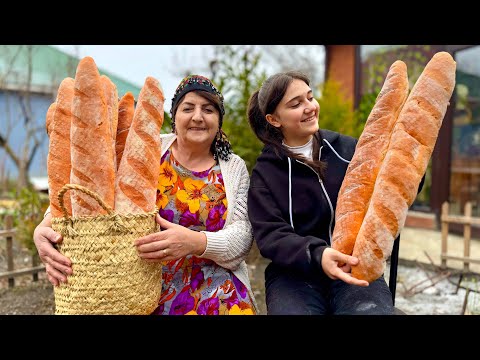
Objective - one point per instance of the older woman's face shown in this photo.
(197, 120)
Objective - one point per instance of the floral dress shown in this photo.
(193, 285)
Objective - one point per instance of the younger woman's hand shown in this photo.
(337, 265)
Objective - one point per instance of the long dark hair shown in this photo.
(264, 101)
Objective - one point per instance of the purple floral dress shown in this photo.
(193, 285)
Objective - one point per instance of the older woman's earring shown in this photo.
(174, 130)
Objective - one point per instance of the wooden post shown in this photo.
(467, 232)
(443, 259)
(9, 226)
(35, 264)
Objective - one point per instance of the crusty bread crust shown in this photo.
(413, 139)
(137, 176)
(111, 97)
(357, 187)
(59, 119)
(91, 142)
(126, 108)
(49, 117)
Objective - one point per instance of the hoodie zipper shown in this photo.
(326, 195)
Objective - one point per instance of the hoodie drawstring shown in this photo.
(290, 191)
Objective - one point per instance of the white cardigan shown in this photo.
(230, 246)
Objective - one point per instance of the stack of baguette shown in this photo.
(104, 144)
(389, 162)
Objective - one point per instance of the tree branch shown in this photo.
(32, 155)
(10, 64)
(8, 150)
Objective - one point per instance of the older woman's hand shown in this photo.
(172, 243)
(57, 266)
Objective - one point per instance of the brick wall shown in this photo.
(422, 220)
(341, 67)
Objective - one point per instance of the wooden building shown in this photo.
(29, 80)
(453, 174)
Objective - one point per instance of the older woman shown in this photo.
(202, 201)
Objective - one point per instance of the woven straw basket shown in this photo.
(108, 275)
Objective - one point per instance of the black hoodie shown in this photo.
(292, 210)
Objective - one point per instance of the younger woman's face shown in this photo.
(297, 114)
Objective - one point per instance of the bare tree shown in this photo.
(309, 59)
(185, 62)
(273, 58)
(16, 86)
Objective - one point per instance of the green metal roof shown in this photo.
(49, 67)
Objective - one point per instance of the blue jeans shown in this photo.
(288, 293)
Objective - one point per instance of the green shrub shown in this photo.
(364, 108)
(8, 207)
(336, 111)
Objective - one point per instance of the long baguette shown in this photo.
(412, 142)
(91, 142)
(126, 108)
(137, 177)
(111, 97)
(58, 159)
(49, 117)
(357, 187)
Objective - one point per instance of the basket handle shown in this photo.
(94, 195)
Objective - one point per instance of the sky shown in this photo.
(166, 63)
(170, 63)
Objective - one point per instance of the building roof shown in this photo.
(49, 67)
(39, 183)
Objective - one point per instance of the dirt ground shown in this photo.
(36, 298)
(32, 298)
(420, 291)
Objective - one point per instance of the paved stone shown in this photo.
(415, 243)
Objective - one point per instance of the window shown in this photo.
(465, 156)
